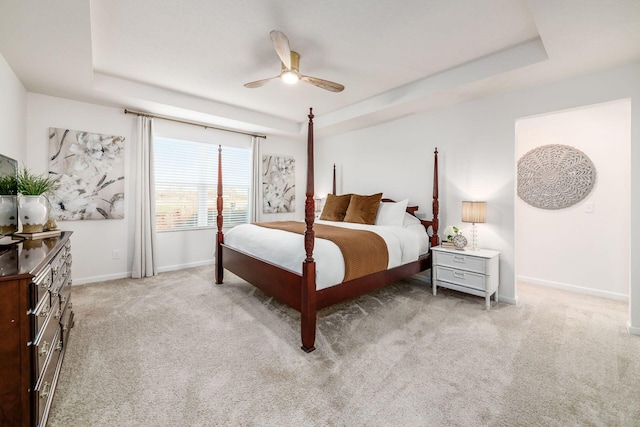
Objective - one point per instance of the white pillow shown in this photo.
(390, 213)
(410, 220)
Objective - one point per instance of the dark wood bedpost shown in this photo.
(219, 221)
(334, 179)
(308, 288)
(435, 239)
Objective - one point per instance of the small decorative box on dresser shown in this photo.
(473, 272)
(35, 319)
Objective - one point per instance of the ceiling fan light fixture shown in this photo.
(290, 77)
(290, 71)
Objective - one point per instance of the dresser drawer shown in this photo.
(67, 321)
(461, 277)
(60, 268)
(42, 314)
(59, 261)
(46, 384)
(60, 284)
(42, 282)
(461, 261)
(64, 292)
(45, 341)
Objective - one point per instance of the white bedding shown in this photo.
(285, 249)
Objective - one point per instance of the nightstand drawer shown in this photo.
(461, 277)
(462, 261)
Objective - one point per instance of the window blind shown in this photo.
(186, 175)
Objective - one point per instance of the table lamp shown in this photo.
(474, 212)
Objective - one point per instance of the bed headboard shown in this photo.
(435, 205)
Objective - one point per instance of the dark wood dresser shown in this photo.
(35, 318)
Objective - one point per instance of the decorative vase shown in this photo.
(8, 214)
(34, 212)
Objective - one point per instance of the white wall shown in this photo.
(94, 241)
(13, 111)
(553, 245)
(478, 159)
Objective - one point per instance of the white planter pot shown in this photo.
(34, 212)
(8, 214)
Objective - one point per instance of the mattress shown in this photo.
(404, 244)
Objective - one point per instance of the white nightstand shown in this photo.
(473, 272)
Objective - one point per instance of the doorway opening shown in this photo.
(585, 247)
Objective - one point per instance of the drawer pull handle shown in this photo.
(45, 348)
(45, 390)
(458, 259)
(59, 346)
(458, 275)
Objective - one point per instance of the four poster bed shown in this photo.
(315, 285)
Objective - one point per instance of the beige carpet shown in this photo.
(177, 350)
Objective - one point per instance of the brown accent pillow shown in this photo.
(335, 207)
(363, 209)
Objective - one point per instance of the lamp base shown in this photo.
(474, 237)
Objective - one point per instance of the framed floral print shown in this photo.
(89, 170)
(278, 184)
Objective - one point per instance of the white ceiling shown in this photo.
(190, 59)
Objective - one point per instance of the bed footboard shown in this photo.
(275, 281)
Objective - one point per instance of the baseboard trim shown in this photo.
(125, 275)
(573, 288)
(504, 299)
(633, 329)
(183, 266)
(94, 279)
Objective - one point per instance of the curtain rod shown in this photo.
(187, 122)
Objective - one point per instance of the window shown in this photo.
(186, 174)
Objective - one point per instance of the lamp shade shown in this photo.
(474, 212)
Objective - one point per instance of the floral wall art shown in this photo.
(278, 184)
(89, 170)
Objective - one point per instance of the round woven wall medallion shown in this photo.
(555, 176)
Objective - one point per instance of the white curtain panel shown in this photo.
(144, 242)
(256, 178)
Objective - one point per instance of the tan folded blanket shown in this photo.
(364, 251)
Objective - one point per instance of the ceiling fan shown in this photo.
(291, 66)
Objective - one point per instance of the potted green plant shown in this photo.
(8, 205)
(33, 205)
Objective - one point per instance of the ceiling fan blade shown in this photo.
(259, 83)
(281, 45)
(324, 84)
